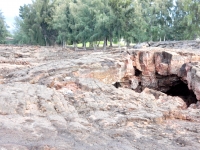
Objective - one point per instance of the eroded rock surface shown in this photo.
(58, 99)
(161, 69)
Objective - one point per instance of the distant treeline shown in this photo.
(46, 22)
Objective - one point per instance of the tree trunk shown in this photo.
(84, 45)
(45, 38)
(111, 41)
(91, 44)
(119, 46)
(98, 43)
(94, 46)
(106, 41)
(127, 44)
(75, 46)
(104, 44)
(64, 43)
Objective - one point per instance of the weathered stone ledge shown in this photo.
(160, 69)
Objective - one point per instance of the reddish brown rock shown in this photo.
(161, 68)
(193, 77)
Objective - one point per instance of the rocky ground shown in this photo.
(59, 99)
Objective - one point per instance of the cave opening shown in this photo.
(178, 88)
(181, 90)
(171, 85)
(137, 72)
(117, 84)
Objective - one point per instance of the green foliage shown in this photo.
(3, 29)
(34, 27)
(18, 34)
(45, 22)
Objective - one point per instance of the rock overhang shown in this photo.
(160, 69)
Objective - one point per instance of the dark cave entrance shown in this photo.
(117, 84)
(171, 85)
(181, 90)
(137, 72)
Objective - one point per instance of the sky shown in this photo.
(10, 9)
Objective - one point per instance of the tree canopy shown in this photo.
(46, 22)
(3, 29)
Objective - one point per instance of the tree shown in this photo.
(59, 21)
(85, 20)
(191, 9)
(36, 22)
(80, 21)
(158, 18)
(3, 28)
(20, 37)
(64, 21)
(46, 14)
